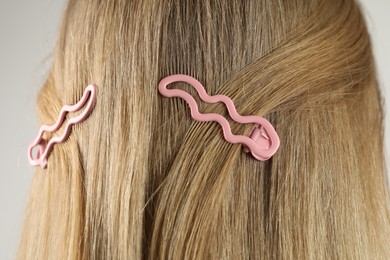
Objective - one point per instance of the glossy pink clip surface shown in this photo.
(46, 146)
(262, 142)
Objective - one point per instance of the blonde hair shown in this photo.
(140, 179)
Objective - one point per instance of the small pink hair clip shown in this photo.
(46, 146)
(262, 142)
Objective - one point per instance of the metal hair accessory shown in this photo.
(262, 142)
(46, 146)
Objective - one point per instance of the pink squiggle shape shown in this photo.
(46, 148)
(261, 149)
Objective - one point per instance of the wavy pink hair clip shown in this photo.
(44, 146)
(262, 142)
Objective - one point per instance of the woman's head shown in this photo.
(140, 178)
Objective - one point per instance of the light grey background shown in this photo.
(28, 31)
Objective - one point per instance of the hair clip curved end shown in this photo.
(262, 138)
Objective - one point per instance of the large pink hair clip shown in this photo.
(262, 142)
(44, 146)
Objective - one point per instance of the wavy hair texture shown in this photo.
(141, 180)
